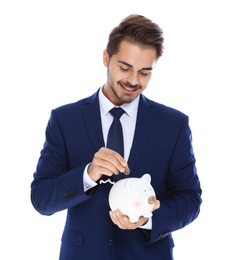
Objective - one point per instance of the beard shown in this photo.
(125, 98)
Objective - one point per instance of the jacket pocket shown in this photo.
(72, 237)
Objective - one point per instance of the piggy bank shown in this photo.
(134, 197)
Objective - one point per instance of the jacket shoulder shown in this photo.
(76, 106)
(164, 110)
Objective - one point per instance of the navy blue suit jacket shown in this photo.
(162, 147)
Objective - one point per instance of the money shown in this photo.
(127, 171)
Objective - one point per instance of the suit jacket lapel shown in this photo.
(143, 124)
(93, 121)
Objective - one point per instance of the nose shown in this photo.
(151, 199)
(133, 79)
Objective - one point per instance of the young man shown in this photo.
(157, 140)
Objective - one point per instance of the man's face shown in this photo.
(128, 72)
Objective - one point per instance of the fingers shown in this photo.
(120, 220)
(107, 162)
(157, 205)
(123, 221)
(114, 159)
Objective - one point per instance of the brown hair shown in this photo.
(136, 29)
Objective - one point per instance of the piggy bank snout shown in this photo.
(152, 199)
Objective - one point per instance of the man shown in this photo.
(157, 140)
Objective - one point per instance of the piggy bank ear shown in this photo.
(146, 177)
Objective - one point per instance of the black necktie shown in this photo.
(115, 135)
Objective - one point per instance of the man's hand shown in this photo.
(123, 221)
(106, 162)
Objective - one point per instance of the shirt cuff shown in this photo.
(87, 181)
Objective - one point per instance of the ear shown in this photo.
(105, 58)
(146, 177)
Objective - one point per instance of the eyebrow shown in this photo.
(129, 65)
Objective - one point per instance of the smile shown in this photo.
(130, 89)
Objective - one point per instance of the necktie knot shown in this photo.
(117, 112)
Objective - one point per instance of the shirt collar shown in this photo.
(106, 105)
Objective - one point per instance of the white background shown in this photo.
(51, 54)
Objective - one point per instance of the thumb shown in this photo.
(157, 205)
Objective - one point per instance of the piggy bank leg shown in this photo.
(147, 215)
(133, 219)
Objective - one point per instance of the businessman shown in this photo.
(80, 157)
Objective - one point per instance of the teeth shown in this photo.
(127, 88)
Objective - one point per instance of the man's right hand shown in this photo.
(106, 162)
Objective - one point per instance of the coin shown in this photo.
(127, 171)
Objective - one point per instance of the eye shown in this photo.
(124, 69)
(144, 73)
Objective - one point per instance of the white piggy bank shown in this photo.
(134, 197)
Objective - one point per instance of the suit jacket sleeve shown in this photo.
(181, 204)
(57, 185)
